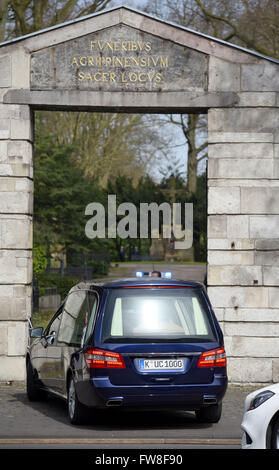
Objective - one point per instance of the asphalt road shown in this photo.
(45, 424)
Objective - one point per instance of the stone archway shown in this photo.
(123, 60)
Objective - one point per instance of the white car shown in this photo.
(261, 419)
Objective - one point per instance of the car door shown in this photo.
(72, 332)
(50, 371)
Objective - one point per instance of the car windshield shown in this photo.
(157, 315)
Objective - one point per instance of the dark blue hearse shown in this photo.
(141, 342)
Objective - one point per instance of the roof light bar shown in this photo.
(164, 275)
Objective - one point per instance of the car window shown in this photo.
(74, 319)
(53, 328)
(162, 314)
(78, 318)
(92, 310)
(54, 324)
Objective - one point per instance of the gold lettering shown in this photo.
(158, 78)
(127, 62)
(80, 76)
(109, 45)
(164, 62)
(119, 61)
(155, 61)
(135, 61)
(123, 45)
(83, 61)
(144, 61)
(74, 61)
(101, 45)
(151, 76)
(133, 77)
(144, 69)
(98, 79)
(142, 79)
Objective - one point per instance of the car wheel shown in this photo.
(275, 435)
(209, 414)
(33, 392)
(77, 412)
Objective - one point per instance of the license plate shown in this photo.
(161, 364)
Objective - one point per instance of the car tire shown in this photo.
(209, 414)
(33, 392)
(77, 412)
(275, 435)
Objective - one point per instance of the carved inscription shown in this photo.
(110, 63)
(119, 58)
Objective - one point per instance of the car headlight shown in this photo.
(260, 399)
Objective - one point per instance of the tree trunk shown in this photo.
(192, 163)
(3, 18)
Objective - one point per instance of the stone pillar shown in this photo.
(16, 208)
(243, 218)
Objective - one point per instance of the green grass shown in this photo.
(42, 318)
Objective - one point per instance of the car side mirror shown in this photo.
(51, 337)
(36, 332)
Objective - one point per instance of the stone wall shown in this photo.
(243, 221)
(16, 209)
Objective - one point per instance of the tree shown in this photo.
(106, 144)
(39, 259)
(191, 125)
(62, 193)
(127, 190)
(199, 200)
(20, 17)
(3, 18)
(250, 23)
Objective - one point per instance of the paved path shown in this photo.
(28, 424)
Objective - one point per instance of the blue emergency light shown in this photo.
(165, 275)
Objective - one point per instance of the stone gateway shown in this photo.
(124, 61)
(118, 59)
